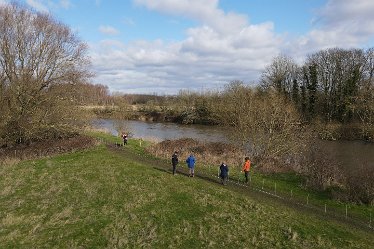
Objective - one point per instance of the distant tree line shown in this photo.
(332, 86)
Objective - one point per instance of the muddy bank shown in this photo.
(47, 148)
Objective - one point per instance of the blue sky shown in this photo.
(164, 46)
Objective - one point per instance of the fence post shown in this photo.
(275, 188)
(291, 194)
(263, 181)
(325, 208)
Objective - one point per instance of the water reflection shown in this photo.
(163, 131)
(351, 154)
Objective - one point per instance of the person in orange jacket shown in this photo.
(246, 168)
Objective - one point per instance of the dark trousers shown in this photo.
(246, 174)
(174, 169)
(224, 179)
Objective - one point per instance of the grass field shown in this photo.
(110, 198)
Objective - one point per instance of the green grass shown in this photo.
(291, 187)
(101, 198)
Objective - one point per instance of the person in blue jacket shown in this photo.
(191, 165)
(224, 173)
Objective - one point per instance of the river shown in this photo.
(351, 154)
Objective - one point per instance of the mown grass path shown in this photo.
(117, 198)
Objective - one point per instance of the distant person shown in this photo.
(246, 168)
(174, 161)
(224, 173)
(124, 137)
(191, 165)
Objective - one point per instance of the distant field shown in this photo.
(108, 198)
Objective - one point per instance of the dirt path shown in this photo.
(254, 192)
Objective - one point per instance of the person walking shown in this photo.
(224, 173)
(191, 165)
(174, 161)
(246, 168)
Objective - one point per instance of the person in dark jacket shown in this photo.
(191, 165)
(174, 161)
(124, 137)
(224, 173)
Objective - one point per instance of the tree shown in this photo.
(38, 55)
(280, 75)
(265, 123)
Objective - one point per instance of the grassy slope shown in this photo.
(98, 198)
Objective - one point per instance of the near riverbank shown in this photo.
(120, 197)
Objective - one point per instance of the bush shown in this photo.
(360, 185)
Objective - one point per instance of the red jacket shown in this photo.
(247, 165)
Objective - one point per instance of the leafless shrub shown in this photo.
(321, 170)
(360, 185)
(210, 153)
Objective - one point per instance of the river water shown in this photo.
(350, 154)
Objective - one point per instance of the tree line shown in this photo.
(45, 80)
(332, 86)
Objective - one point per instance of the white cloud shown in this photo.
(108, 30)
(222, 47)
(38, 5)
(340, 23)
(47, 5)
(207, 12)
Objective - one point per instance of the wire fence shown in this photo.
(351, 214)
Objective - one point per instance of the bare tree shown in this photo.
(264, 123)
(37, 54)
(280, 75)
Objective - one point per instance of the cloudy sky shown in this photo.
(163, 46)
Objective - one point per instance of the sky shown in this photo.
(164, 46)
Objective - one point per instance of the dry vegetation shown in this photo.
(40, 149)
(206, 153)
